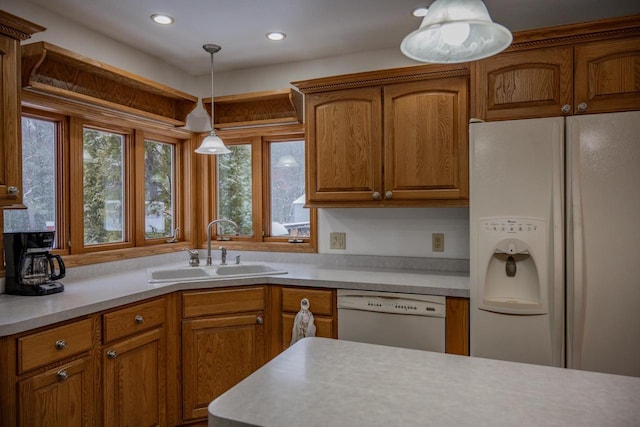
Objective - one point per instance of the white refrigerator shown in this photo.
(555, 241)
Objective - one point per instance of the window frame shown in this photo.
(71, 117)
(260, 139)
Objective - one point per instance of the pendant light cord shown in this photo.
(213, 130)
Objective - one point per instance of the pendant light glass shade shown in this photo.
(456, 31)
(212, 144)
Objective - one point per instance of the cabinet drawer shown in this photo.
(320, 301)
(54, 344)
(205, 303)
(130, 320)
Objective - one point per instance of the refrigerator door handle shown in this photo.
(577, 278)
(557, 255)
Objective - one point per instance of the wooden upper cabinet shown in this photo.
(425, 134)
(388, 138)
(12, 31)
(607, 76)
(525, 84)
(344, 145)
(584, 68)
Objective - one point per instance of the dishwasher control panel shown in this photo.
(387, 302)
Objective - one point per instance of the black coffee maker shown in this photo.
(31, 268)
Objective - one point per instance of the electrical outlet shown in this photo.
(437, 242)
(337, 240)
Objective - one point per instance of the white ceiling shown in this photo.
(314, 28)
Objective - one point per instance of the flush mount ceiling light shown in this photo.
(160, 18)
(212, 144)
(456, 31)
(275, 36)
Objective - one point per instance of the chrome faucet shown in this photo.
(211, 224)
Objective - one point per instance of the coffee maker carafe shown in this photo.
(31, 269)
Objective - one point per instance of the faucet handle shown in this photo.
(224, 255)
(194, 257)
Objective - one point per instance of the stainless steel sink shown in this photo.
(217, 272)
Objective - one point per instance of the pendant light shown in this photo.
(456, 31)
(212, 144)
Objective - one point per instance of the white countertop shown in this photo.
(323, 382)
(89, 295)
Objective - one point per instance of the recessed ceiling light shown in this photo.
(276, 36)
(159, 18)
(420, 12)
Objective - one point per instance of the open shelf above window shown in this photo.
(274, 107)
(55, 71)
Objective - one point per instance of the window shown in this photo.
(159, 190)
(260, 185)
(103, 187)
(128, 186)
(39, 158)
(289, 217)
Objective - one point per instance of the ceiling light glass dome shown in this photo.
(456, 31)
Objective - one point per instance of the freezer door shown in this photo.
(603, 236)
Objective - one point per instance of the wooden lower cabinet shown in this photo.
(62, 396)
(134, 365)
(223, 342)
(285, 302)
(135, 381)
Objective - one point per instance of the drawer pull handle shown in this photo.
(260, 320)
(139, 319)
(582, 106)
(62, 375)
(376, 195)
(111, 354)
(61, 345)
(566, 108)
(388, 195)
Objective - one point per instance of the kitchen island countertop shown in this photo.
(88, 295)
(323, 382)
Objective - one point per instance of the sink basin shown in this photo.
(176, 274)
(190, 274)
(247, 270)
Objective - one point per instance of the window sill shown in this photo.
(307, 247)
(123, 254)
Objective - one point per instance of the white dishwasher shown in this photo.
(393, 319)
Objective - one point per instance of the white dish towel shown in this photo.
(303, 325)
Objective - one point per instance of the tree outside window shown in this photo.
(39, 140)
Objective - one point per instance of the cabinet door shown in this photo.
(135, 381)
(325, 328)
(218, 353)
(607, 76)
(10, 124)
(62, 396)
(426, 140)
(344, 140)
(525, 84)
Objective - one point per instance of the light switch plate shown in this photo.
(437, 242)
(337, 240)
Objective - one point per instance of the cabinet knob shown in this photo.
(111, 354)
(566, 108)
(260, 320)
(376, 195)
(62, 375)
(13, 191)
(582, 106)
(139, 319)
(61, 345)
(388, 195)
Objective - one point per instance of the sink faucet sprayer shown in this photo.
(211, 224)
